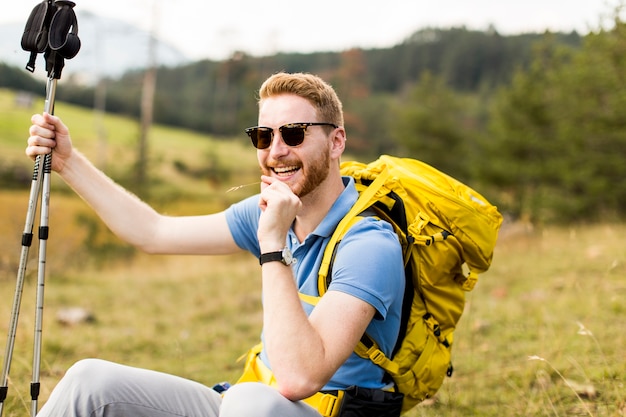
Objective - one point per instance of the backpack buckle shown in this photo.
(421, 220)
(470, 281)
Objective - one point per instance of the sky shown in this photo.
(210, 29)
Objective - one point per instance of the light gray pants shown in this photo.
(97, 388)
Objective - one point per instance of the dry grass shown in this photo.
(543, 332)
(555, 296)
(192, 316)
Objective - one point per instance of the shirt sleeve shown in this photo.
(243, 222)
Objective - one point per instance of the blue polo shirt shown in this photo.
(368, 265)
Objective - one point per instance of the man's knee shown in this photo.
(92, 374)
(248, 399)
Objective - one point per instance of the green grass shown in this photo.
(543, 334)
(181, 163)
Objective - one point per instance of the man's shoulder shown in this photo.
(371, 240)
(371, 227)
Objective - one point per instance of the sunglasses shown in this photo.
(292, 134)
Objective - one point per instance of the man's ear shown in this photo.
(338, 142)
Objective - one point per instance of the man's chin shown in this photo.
(296, 187)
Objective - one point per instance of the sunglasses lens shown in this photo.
(293, 135)
(261, 136)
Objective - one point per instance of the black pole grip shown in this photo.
(34, 390)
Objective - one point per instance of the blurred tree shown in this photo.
(524, 146)
(559, 132)
(350, 81)
(432, 125)
(20, 79)
(593, 99)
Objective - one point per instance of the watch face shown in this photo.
(288, 258)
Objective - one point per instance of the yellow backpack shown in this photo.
(442, 224)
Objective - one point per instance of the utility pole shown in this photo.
(147, 104)
(99, 103)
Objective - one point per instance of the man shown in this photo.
(299, 141)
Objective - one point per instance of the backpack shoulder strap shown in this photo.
(366, 198)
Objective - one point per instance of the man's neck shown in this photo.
(316, 205)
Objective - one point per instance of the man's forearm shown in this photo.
(126, 215)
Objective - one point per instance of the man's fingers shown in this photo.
(34, 151)
(46, 121)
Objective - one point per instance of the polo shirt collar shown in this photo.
(339, 209)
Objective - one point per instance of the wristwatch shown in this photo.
(283, 256)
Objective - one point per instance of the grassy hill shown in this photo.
(181, 163)
(543, 333)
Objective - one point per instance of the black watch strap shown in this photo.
(271, 257)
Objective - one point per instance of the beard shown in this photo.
(315, 173)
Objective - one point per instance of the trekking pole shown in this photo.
(43, 244)
(27, 238)
(41, 164)
(48, 31)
